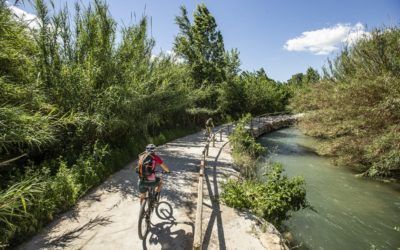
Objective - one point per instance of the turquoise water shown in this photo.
(350, 212)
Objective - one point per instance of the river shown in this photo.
(350, 212)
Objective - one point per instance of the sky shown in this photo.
(284, 37)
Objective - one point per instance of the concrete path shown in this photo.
(107, 217)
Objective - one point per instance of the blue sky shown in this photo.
(284, 37)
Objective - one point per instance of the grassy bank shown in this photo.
(354, 110)
(271, 196)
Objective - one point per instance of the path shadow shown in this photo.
(66, 238)
(167, 237)
(213, 193)
(124, 181)
(183, 168)
(177, 186)
(164, 233)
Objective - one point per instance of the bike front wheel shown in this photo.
(144, 220)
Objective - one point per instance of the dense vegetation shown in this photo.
(271, 196)
(245, 150)
(355, 108)
(76, 105)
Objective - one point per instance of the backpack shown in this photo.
(145, 165)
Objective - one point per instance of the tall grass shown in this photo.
(15, 205)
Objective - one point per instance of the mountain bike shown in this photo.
(146, 209)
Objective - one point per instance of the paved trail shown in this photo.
(107, 217)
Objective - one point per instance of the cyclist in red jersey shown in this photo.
(148, 162)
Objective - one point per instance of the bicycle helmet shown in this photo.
(150, 148)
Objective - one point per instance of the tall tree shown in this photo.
(311, 76)
(296, 79)
(232, 67)
(202, 46)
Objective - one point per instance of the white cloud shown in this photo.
(174, 56)
(168, 53)
(326, 40)
(29, 19)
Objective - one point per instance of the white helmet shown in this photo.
(150, 148)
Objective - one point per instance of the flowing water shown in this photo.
(350, 212)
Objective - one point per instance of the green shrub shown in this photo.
(89, 168)
(242, 141)
(64, 189)
(245, 149)
(272, 199)
(384, 153)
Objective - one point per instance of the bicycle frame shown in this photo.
(145, 214)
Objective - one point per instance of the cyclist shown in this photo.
(147, 163)
(209, 126)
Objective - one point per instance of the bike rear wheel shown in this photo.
(144, 220)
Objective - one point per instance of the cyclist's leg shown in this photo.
(142, 190)
(159, 184)
(208, 131)
(142, 196)
(145, 185)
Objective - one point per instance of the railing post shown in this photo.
(220, 135)
(197, 239)
(213, 140)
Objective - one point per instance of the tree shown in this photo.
(296, 79)
(232, 62)
(262, 74)
(311, 76)
(202, 46)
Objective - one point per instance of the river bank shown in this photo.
(348, 212)
(271, 201)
